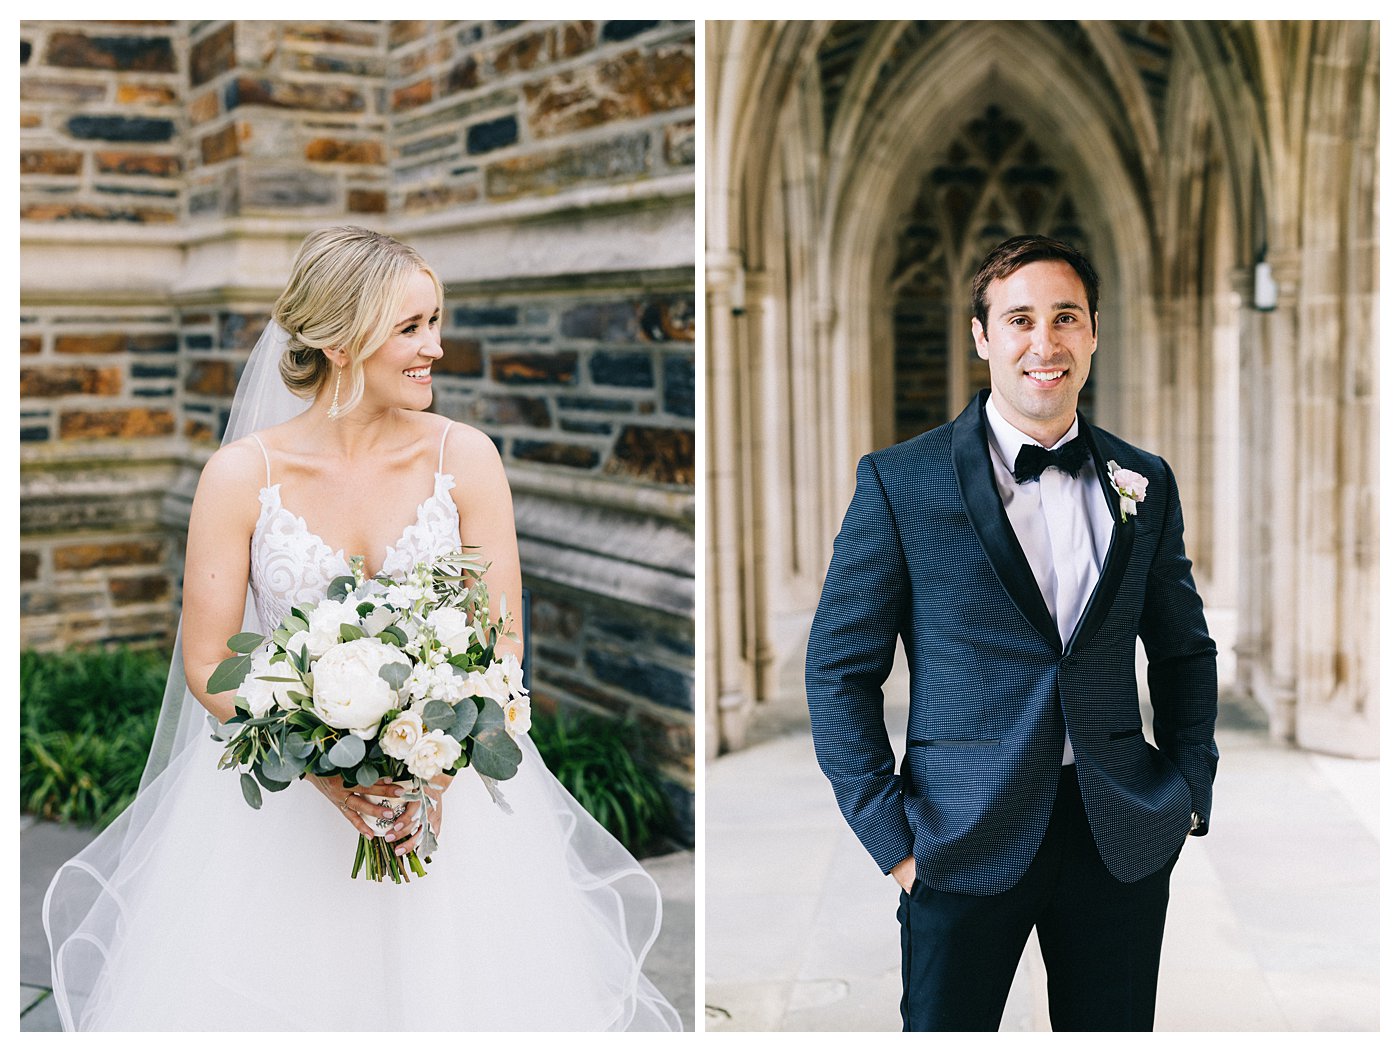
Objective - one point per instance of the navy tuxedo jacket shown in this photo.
(926, 554)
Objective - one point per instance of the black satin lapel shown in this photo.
(1120, 548)
(973, 466)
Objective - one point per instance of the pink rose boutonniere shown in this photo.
(1131, 487)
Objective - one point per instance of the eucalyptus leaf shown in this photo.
(349, 632)
(297, 746)
(365, 609)
(272, 785)
(439, 716)
(347, 752)
(465, 713)
(281, 767)
(340, 588)
(395, 674)
(230, 673)
(396, 636)
(495, 754)
(251, 792)
(245, 642)
(365, 775)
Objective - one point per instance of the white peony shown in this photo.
(324, 629)
(256, 693)
(401, 735)
(517, 712)
(453, 630)
(347, 691)
(434, 753)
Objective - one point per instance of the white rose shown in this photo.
(480, 685)
(401, 736)
(326, 619)
(347, 691)
(434, 753)
(378, 619)
(453, 630)
(517, 712)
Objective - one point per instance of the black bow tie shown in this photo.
(1069, 458)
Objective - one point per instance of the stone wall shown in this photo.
(168, 172)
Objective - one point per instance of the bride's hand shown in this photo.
(357, 810)
(407, 834)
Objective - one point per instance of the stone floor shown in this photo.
(44, 846)
(1273, 924)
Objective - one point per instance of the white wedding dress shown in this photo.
(219, 917)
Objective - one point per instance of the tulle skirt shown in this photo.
(195, 912)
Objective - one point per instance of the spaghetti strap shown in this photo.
(442, 446)
(266, 461)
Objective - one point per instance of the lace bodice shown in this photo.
(289, 565)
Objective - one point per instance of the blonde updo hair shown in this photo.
(346, 285)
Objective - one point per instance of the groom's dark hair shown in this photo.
(1015, 252)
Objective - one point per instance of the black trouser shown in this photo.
(1101, 939)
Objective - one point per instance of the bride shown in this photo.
(195, 912)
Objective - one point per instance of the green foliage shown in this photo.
(86, 723)
(594, 759)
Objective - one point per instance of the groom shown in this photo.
(1019, 553)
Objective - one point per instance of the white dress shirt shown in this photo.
(1063, 525)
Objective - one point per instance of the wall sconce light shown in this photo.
(1265, 287)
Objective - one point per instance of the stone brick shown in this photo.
(211, 377)
(614, 32)
(345, 151)
(326, 33)
(403, 32)
(460, 357)
(121, 129)
(213, 55)
(146, 94)
(238, 331)
(34, 433)
(680, 144)
(90, 555)
(135, 191)
(655, 454)
(317, 97)
(486, 317)
(161, 370)
(511, 409)
(150, 588)
(30, 120)
(40, 89)
(287, 188)
(312, 62)
(560, 453)
(586, 427)
(28, 566)
(657, 683)
(629, 86)
(106, 343)
(50, 162)
(440, 197)
(614, 322)
(31, 344)
(412, 96)
(56, 213)
(116, 423)
(204, 107)
(574, 38)
(493, 135)
(219, 146)
(126, 53)
(427, 144)
(116, 162)
(680, 386)
(621, 369)
(25, 50)
(596, 405)
(628, 157)
(367, 201)
(521, 54)
(525, 368)
(197, 430)
(59, 380)
(463, 76)
(668, 320)
(153, 343)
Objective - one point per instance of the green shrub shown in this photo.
(86, 723)
(592, 756)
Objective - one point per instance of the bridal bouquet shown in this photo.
(382, 679)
